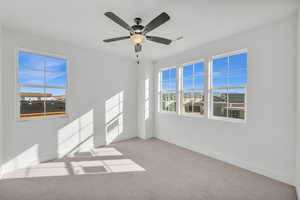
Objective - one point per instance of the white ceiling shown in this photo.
(199, 21)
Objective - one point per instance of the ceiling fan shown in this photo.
(138, 32)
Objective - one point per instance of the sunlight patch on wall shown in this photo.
(27, 158)
(147, 95)
(76, 136)
(114, 117)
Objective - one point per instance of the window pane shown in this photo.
(165, 75)
(199, 82)
(188, 71)
(188, 83)
(219, 80)
(188, 100)
(55, 64)
(31, 77)
(198, 106)
(199, 69)
(55, 93)
(238, 61)
(165, 85)
(172, 85)
(173, 96)
(220, 103)
(169, 106)
(168, 100)
(31, 61)
(193, 76)
(55, 101)
(236, 107)
(56, 79)
(164, 96)
(193, 101)
(220, 65)
(237, 78)
(173, 73)
(31, 102)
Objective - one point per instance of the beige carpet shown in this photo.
(140, 170)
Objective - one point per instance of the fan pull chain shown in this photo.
(137, 59)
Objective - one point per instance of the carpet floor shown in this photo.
(140, 170)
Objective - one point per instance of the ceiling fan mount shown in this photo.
(137, 20)
(137, 32)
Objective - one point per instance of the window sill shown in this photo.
(242, 121)
(19, 119)
(168, 112)
(192, 115)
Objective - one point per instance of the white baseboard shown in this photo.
(238, 163)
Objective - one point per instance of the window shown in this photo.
(42, 85)
(228, 85)
(223, 84)
(168, 90)
(193, 79)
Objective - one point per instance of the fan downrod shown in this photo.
(137, 20)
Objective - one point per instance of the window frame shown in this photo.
(210, 88)
(18, 86)
(181, 89)
(160, 110)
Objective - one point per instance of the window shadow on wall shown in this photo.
(114, 117)
(147, 98)
(27, 158)
(77, 136)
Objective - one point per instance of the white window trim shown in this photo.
(181, 90)
(17, 86)
(210, 89)
(159, 91)
(229, 53)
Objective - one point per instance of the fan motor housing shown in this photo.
(137, 27)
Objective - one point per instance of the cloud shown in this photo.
(37, 77)
(35, 61)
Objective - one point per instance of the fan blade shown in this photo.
(116, 39)
(137, 48)
(156, 22)
(119, 21)
(159, 40)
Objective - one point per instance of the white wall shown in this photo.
(298, 112)
(1, 102)
(266, 142)
(145, 120)
(94, 78)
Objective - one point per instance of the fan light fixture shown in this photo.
(137, 38)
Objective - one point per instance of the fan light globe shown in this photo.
(137, 38)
